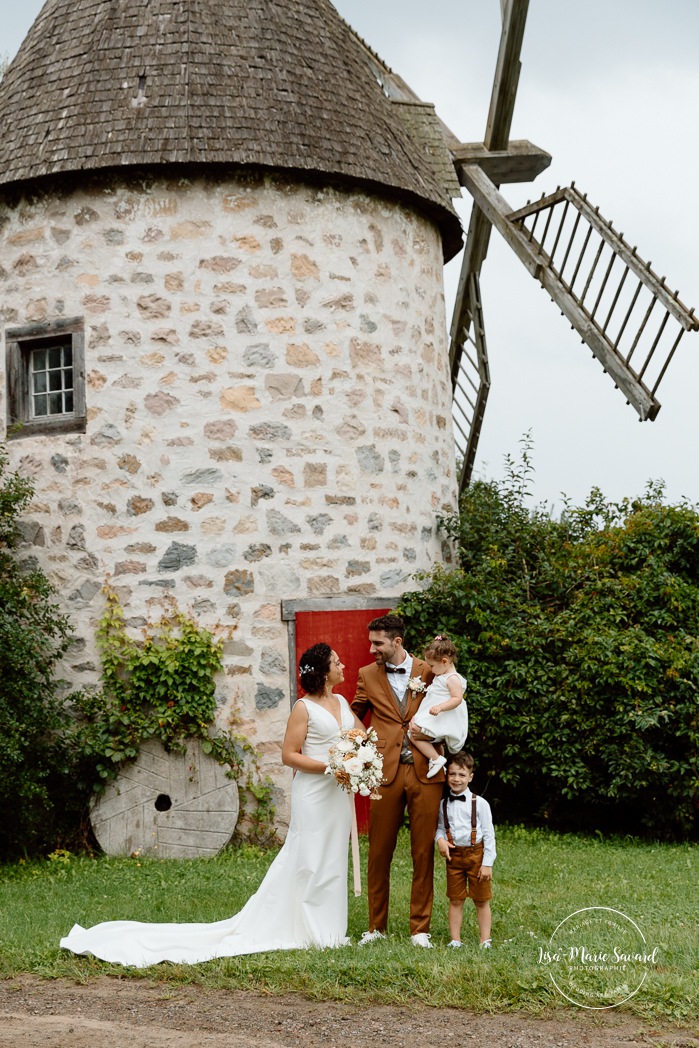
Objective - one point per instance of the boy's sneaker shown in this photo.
(421, 939)
(371, 937)
(487, 944)
(436, 764)
(455, 944)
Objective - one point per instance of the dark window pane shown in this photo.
(50, 378)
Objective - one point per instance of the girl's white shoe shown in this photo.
(436, 764)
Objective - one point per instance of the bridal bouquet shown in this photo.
(356, 763)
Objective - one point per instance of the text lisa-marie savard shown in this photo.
(582, 955)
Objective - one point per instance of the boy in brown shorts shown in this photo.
(466, 839)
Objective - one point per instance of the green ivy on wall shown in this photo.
(163, 686)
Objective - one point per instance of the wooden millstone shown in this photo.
(167, 805)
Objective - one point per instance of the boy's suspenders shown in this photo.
(447, 827)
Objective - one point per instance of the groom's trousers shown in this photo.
(385, 820)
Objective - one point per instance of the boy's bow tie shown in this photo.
(457, 797)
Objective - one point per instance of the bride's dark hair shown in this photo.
(314, 665)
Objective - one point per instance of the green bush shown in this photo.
(33, 637)
(163, 686)
(580, 639)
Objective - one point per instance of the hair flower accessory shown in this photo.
(416, 685)
(305, 669)
(356, 762)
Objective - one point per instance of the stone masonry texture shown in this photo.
(268, 404)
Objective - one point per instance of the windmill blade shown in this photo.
(502, 103)
(507, 70)
(576, 270)
(471, 383)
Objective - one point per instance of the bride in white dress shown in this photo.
(302, 900)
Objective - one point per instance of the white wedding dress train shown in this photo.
(301, 902)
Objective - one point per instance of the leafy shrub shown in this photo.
(162, 686)
(580, 639)
(33, 637)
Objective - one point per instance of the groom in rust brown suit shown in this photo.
(384, 690)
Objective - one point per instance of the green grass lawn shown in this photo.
(540, 878)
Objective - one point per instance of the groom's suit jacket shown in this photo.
(376, 694)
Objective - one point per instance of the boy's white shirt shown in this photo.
(460, 825)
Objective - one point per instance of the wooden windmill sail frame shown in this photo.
(633, 326)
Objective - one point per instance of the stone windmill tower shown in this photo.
(222, 232)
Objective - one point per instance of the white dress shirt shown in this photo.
(399, 681)
(460, 824)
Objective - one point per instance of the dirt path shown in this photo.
(120, 1013)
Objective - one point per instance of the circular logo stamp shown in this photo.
(598, 958)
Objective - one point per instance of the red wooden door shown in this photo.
(346, 633)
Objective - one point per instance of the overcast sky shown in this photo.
(609, 88)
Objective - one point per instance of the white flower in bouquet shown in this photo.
(356, 763)
(416, 685)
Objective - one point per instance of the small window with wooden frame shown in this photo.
(45, 365)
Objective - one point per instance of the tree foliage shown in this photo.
(34, 635)
(580, 639)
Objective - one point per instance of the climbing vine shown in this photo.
(162, 686)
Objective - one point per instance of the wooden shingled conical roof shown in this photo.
(280, 84)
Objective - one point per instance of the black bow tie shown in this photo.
(394, 669)
(457, 797)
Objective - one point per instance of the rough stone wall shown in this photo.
(268, 406)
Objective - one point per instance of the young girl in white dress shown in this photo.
(302, 900)
(443, 715)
